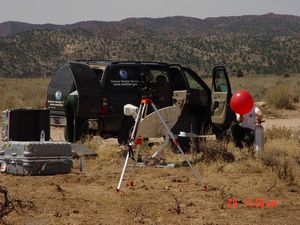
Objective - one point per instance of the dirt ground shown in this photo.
(151, 195)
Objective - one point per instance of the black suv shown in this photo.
(104, 87)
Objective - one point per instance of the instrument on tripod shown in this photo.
(156, 123)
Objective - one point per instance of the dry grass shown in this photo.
(260, 86)
(29, 92)
(279, 96)
(283, 159)
(213, 155)
(276, 132)
(32, 91)
(282, 133)
(162, 196)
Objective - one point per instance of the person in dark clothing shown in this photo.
(74, 123)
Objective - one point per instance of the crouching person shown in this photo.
(243, 129)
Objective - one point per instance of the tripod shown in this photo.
(136, 140)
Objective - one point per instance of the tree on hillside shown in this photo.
(240, 73)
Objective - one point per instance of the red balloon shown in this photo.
(241, 102)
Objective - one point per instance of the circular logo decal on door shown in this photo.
(58, 95)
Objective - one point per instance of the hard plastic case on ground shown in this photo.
(36, 158)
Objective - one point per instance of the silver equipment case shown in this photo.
(36, 158)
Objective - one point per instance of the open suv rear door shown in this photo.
(88, 87)
(70, 77)
(221, 114)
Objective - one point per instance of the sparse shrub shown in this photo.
(280, 164)
(297, 160)
(8, 205)
(286, 133)
(240, 73)
(278, 133)
(214, 151)
(296, 135)
(280, 97)
(296, 99)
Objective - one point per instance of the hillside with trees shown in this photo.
(266, 44)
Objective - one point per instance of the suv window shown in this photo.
(63, 78)
(179, 82)
(98, 70)
(99, 73)
(162, 88)
(159, 75)
(220, 81)
(193, 84)
(124, 78)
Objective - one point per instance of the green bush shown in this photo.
(279, 96)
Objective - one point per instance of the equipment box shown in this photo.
(25, 124)
(36, 158)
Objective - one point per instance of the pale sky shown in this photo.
(71, 11)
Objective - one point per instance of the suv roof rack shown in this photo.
(94, 61)
(139, 62)
(109, 62)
